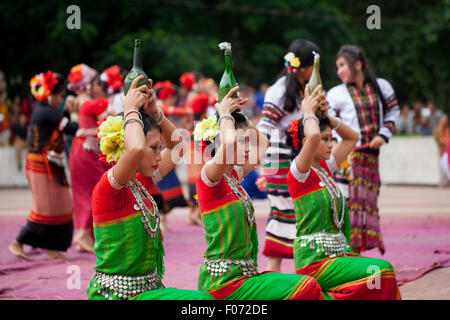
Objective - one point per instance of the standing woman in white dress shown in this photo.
(368, 105)
(281, 105)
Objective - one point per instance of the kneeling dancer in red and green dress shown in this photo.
(128, 240)
(229, 270)
(322, 246)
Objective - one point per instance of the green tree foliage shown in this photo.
(411, 49)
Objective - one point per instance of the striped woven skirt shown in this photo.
(49, 225)
(354, 278)
(280, 228)
(171, 190)
(363, 201)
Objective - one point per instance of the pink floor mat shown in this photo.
(413, 246)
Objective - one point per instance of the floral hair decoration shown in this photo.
(80, 77)
(293, 131)
(207, 129)
(187, 79)
(42, 85)
(111, 137)
(111, 76)
(164, 90)
(291, 62)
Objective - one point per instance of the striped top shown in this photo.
(273, 117)
(314, 215)
(363, 111)
(228, 233)
(122, 245)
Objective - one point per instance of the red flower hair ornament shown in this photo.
(164, 90)
(111, 76)
(42, 85)
(187, 79)
(293, 131)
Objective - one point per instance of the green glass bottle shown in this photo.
(137, 68)
(228, 81)
(315, 79)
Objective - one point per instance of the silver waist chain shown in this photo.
(125, 287)
(218, 267)
(331, 244)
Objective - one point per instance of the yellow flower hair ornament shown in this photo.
(111, 138)
(207, 129)
(291, 62)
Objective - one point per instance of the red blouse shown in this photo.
(111, 201)
(212, 195)
(91, 111)
(300, 184)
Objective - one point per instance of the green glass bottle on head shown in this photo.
(137, 68)
(228, 81)
(315, 79)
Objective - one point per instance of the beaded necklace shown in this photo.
(137, 189)
(245, 199)
(334, 193)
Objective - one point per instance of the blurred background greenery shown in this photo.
(411, 49)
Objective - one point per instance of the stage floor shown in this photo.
(415, 222)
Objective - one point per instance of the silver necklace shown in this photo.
(243, 197)
(136, 188)
(334, 193)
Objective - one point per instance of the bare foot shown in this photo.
(194, 217)
(84, 241)
(16, 248)
(53, 255)
(163, 224)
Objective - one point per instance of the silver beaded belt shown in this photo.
(125, 287)
(218, 267)
(332, 244)
(91, 144)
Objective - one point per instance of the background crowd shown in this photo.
(193, 96)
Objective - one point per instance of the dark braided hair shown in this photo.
(60, 85)
(324, 123)
(57, 88)
(241, 122)
(149, 123)
(303, 49)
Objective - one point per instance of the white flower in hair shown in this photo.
(289, 56)
(225, 46)
(316, 55)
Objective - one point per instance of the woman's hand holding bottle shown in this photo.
(310, 102)
(136, 97)
(228, 105)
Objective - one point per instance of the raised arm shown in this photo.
(134, 138)
(311, 130)
(256, 150)
(215, 168)
(349, 136)
(172, 138)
